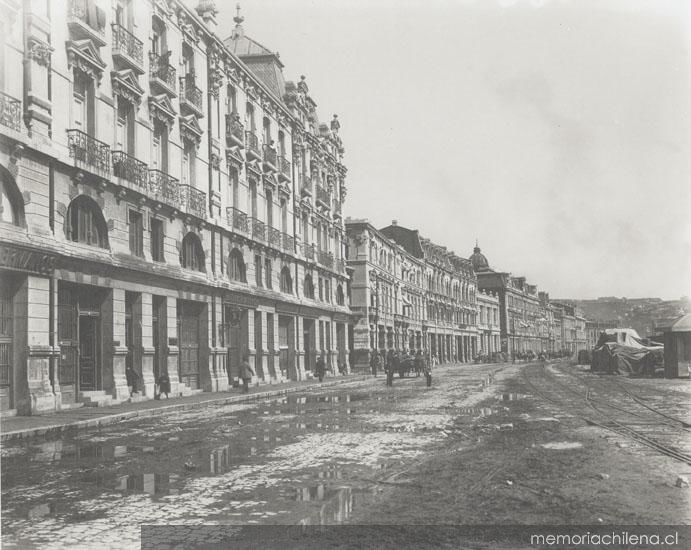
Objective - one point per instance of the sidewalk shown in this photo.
(18, 427)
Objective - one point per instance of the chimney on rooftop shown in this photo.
(394, 222)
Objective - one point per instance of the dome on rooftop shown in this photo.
(479, 260)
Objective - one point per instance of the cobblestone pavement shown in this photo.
(307, 458)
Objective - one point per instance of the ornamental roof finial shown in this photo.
(238, 18)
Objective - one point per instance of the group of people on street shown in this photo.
(401, 362)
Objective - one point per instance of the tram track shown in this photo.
(600, 413)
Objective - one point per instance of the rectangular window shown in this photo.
(258, 270)
(157, 239)
(188, 164)
(159, 156)
(136, 233)
(267, 273)
(321, 289)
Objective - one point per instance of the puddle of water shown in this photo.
(477, 411)
(562, 445)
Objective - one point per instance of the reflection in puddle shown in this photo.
(337, 508)
(511, 396)
(477, 411)
(152, 484)
(42, 511)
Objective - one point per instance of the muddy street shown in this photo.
(485, 444)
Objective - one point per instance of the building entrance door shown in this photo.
(286, 346)
(159, 332)
(188, 337)
(88, 352)
(310, 344)
(235, 339)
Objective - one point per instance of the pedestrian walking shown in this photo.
(246, 373)
(374, 363)
(320, 368)
(163, 386)
(428, 373)
(132, 379)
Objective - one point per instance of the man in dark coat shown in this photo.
(246, 373)
(320, 368)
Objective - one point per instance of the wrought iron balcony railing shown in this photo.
(275, 237)
(323, 195)
(326, 258)
(189, 93)
(252, 143)
(10, 112)
(308, 250)
(162, 71)
(284, 167)
(237, 219)
(258, 229)
(193, 201)
(130, 169)
(164, 188)
(270, 157)
(88, 152)
(235, 131)
(288, 243)
(125, 43)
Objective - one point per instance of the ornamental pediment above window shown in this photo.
(126, 85)
(190, 129)
(83, 55)
(161, 108)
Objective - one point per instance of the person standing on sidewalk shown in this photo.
(375, 362)
(320, 368)
(246, 373)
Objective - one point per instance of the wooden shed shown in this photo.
(677, 338)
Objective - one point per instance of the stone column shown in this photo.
(116, 378)
(251, 350)
(299, 347)
(32, 389)
(264, 348)
(172, 344)
(276, 351)
(148, 380)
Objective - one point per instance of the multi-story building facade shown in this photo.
(574, 336)
(387, 294)
(450, 325)
(521, 325)
(489, 334)
(169, 205)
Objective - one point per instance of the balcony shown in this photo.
(306, 187)
(10, 112)
(191, 97)
(161, 74)
(275, 237)
(87, 21)
(258, 229)
(127, 49)
(237, 219)
(130, 169)
(193, 201)
(326, 258)
(235, 131)
(323, 197)
(288, 243)
(284, 168)
(308, 251)
(270, 159)
(252, 145)
(89, 153)
(164, 188)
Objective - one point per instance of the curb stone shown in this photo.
(148, 413)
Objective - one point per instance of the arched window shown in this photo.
(309, 287)
(85, 223)
(11, 203)
(340, 298)
(286, 281)
(236, 266)
(192, 253)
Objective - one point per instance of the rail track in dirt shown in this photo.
(610, 404)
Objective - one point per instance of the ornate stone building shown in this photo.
(489, 334)
(450, 284)
(169, 204)
(388, 295)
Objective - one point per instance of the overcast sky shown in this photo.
(557, 133)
